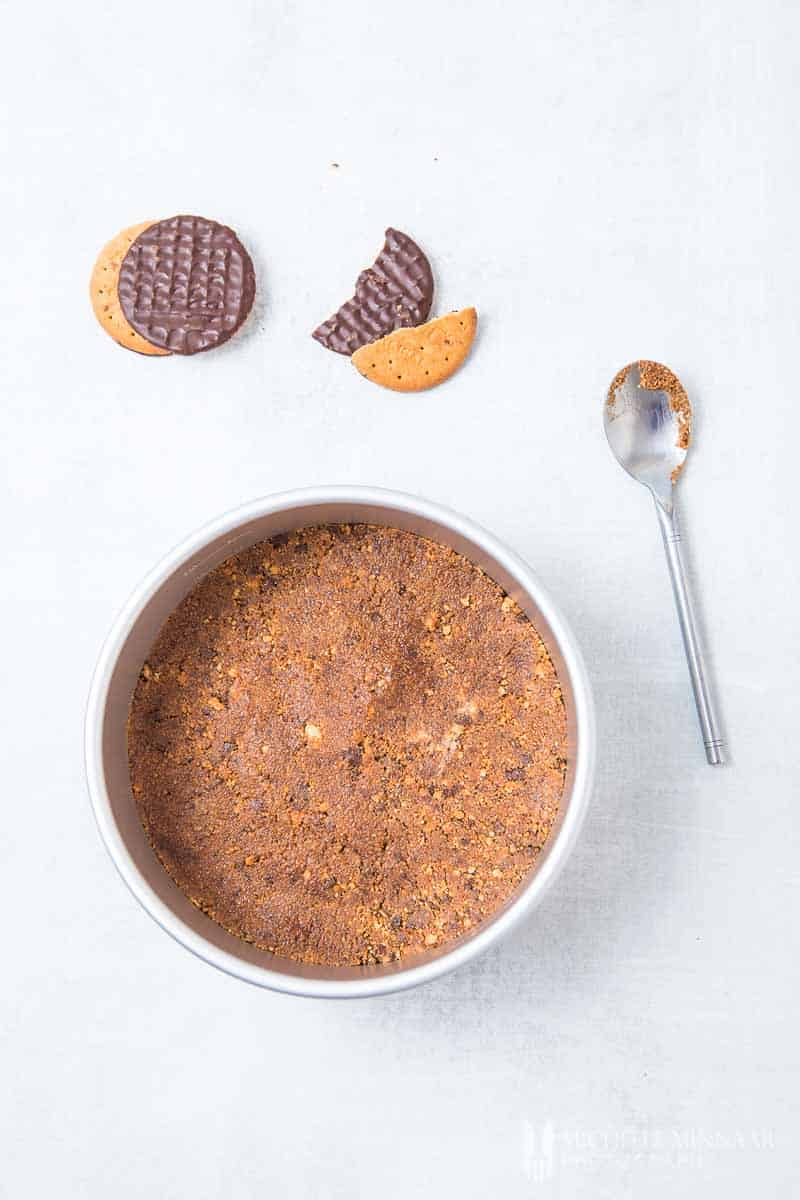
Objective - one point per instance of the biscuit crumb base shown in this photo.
(348, 745)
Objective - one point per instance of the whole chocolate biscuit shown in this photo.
(186, 284)
(394, 293)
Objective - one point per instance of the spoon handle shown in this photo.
(712, 737)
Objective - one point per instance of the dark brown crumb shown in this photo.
(348, 745)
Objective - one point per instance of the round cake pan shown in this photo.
(129, 643)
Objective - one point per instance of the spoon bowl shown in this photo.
(648, 430)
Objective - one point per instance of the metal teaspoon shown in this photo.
(648, 423)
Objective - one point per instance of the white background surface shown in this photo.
(604, 181)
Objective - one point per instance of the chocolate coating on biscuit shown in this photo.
(187, 284)
(394, 293)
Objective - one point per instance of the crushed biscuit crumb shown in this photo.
(434, 779)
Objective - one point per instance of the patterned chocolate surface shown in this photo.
(186, 284)
(394, 293)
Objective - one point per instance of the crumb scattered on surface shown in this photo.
(338, 759)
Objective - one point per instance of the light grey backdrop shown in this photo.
(603, 181)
